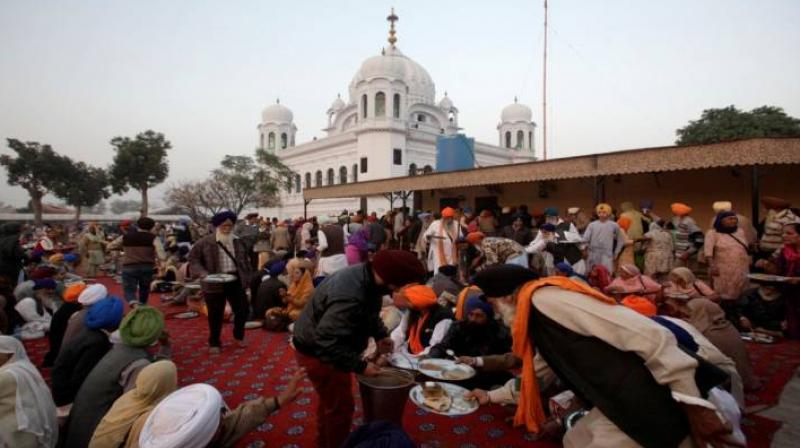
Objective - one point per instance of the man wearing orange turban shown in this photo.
(424, 324)
(686, 233)
(442, 235)
(58, 325)
(604, 239)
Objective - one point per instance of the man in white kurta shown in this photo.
(600, 237)
(442, 235)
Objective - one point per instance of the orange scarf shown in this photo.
(529, 410)
(462, 299)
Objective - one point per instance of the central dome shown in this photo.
(395, 66)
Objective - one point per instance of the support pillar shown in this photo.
(755, 194)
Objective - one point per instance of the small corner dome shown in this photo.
(446, 103)
(516, 112)
(276, 113)
(337, 104)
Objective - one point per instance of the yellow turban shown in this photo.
(603, 208)
(722, 206)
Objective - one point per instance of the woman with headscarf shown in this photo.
(658, 249)
(631, 281)
(599, 277)
(710, 320)
(683, 283)
(115, 373)
(34, 313)
(786, 262)
(357, 246)
(121, 426)
(58, 325)
(424, 324)
(298, 293)
(728, 258)
(27, 412)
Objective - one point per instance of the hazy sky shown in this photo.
(622, 73)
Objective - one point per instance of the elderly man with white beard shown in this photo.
(615, 360)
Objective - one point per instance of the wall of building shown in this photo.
(697, 188)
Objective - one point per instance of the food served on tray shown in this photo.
(456, 373)
(436, 397)
(428, 365)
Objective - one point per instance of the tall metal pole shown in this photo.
(544, 88)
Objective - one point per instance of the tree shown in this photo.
(272, 176)
(120, 206)
(139, 163)
(730, 123)
(38, 169)
(87, 186)
(199, 199)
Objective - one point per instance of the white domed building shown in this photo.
(387, 128)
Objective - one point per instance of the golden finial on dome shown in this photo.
(392, 18)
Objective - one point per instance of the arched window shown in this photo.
(330, 176)
(380, 104)
(508, 139)
(284, 141)
(355, 173)
(412, 169)
(364, 105)
(451, 116)
(396, 105)
(318, 179)
(271, 141)
(520, 139)
(308, 180)
(427, 170)
(342, 175)
(530, 140)
(297, 183)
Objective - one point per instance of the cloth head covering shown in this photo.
(35, 410)
(421, 297)
(105, 314)
(706, 315)
(630, 269)
(448, 212)
(718, 222)
(624, 223)
(680, 209)
(573, 210)
(775, 203)
(92, 294)
(474, 302)
(640, 305)
(142, 326)
(398, 267)
(599, 277)
(145, 223)
(685, 275)
(70, 257)
(566, 268)
(603, 208)
(448, 270)
(277, 268)
(548, 227)
(646, 204)
(73, 291)
(475, 238)
(550, 211)
(626, 206)
(56, 258)
(502, 279)
(45, 283)
(722, 206)
(221, 217)
(186, 418)
(43, 272)
(153, 383)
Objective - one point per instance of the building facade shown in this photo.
(387, 128)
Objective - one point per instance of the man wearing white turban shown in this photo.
(196, 416)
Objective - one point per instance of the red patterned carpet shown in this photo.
(263, 368)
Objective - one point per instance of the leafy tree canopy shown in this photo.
(730, 123)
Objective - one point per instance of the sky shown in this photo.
(622, 74)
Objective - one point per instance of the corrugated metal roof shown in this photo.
(762, 151)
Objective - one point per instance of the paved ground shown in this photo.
(788, 412)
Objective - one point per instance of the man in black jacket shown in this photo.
(334, 329)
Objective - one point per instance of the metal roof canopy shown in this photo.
(750, 152)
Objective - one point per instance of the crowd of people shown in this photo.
(540, 305)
